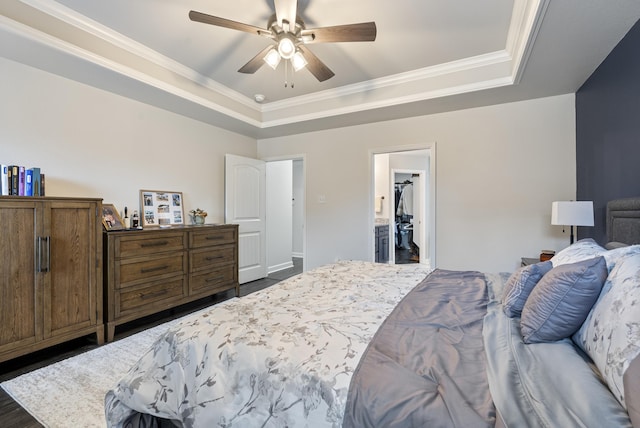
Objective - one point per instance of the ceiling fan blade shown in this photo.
(226, 23)
(363, 32)
(256, 62)
(315, 66)
(286, 10)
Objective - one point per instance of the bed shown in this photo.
(359, 344)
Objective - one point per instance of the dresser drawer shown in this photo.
(207, 258)
(213, 281)
(128, 246)
(142, 269)
(143, 297)
(213, 236)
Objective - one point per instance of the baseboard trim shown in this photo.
(278, 268)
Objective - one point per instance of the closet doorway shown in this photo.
(404, 202)
(408, 215)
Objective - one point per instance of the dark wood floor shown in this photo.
(12, 415)
(406, 256)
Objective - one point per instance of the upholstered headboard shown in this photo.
(623, 220)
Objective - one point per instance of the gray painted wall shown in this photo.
(608, 132)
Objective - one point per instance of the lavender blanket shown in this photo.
(426, 365)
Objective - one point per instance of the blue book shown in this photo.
(28, 182)
(35, 181)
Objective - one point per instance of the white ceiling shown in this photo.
(429, 56)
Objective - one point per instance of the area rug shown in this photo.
(71, 393)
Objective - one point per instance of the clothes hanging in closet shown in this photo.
(405, 204)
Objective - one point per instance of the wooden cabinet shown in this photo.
(147, 271)
(50, 272)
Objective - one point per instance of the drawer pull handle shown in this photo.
(144, 296)
(210, 258)
(154, 269)
(214, 238)
(154, 244)
(215, 278)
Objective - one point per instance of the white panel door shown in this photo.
(245, 205)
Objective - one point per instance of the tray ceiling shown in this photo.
(429, 56)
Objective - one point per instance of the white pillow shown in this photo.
(582, 250)
(612, 256)
(611, 333)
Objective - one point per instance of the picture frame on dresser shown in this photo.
(161, 208)
(111, 218)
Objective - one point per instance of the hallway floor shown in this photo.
(405, 256)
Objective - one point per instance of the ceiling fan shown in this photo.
(290, 38)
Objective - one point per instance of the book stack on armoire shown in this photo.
(18, 180)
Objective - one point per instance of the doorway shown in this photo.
(410, 218)
(407, 215)
(259, 197)
(285, 213)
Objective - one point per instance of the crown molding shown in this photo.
(81, 22)
(422, 74)
(28, 33)
(526, 20)
(388, 102)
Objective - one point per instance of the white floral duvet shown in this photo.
(283, 356)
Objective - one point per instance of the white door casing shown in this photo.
(245, 205)
(427, 183)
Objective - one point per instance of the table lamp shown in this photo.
(572, 213)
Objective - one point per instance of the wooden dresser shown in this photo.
(50, 272)
(147, 271)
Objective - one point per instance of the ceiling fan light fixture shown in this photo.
(286, 47)
(298, 61)
(287, 34)
(272, 58)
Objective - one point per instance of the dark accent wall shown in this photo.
(608, 132)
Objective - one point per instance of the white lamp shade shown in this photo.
(286, 47)
(572, 213)
(298, 61)
(272, 58)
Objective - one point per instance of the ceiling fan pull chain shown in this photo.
(292, 74)
(286, 73)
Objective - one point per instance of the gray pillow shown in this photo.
(561, 301)
(613, 245)
(519, 286)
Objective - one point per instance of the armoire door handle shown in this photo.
(43, 255)
(47, 240)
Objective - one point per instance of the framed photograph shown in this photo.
(161, 208)
(111, 218)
